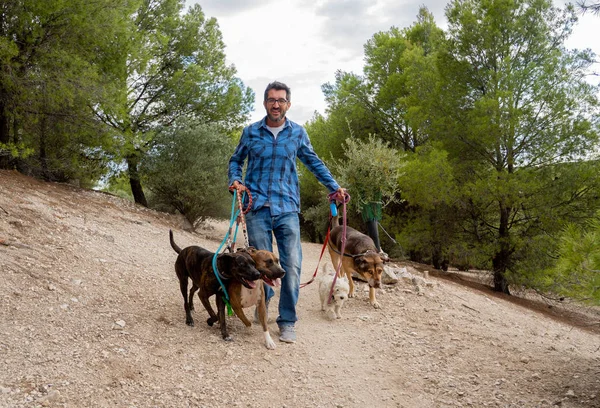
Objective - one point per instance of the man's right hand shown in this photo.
(239, 187)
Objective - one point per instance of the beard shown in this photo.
(277, 119)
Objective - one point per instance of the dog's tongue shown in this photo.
(277, 282)
(252, 284)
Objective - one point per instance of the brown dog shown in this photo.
(241, 297)
(195, 263)
(243, 276)
(360, 256)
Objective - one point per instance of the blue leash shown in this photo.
(234, 215)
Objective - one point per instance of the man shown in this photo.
(271, 147)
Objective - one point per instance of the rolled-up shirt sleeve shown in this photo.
(236, 162)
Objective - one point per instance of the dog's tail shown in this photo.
(173, 244)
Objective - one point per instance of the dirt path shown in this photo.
(91, 316)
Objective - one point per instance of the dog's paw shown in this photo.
(376, 304)
(190, 323)
(210, 321)
(330, 314)
(228, 338)
(269, 343)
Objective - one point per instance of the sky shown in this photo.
(304, 42)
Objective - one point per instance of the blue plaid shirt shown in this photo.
(271, 174)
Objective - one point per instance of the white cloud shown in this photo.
(302, 43)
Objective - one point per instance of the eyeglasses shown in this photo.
(271, 101)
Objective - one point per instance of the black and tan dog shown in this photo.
(242, 273)
(360, 256)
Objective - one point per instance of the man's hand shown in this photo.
(340, 195)
(239, 187)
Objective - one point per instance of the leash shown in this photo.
(344, 199)
(321, 256)
(238, 217)
(241, 219)
(333, 198)
(231, 243)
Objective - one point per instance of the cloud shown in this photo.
(227, 7)
(349, 24)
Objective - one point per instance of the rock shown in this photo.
(119, 325)
(389, 276)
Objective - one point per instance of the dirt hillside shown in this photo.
(91, 316)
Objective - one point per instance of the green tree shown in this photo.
(370, 172)
(400, 73)
(429, 225)
(50, 74)
(513, 107)
(186, 171)
(174, 67)
(577, 272)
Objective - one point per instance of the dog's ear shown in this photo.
(244, 259)
(360, 262)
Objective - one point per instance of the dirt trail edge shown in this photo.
(92, 316)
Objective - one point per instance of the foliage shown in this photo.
(369, 172)
(173, 66)
(49, 76)
(577, 272)
(430, 222)
(186, 171)
(524, 109)
(400, 74)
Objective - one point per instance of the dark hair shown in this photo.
(279, 86)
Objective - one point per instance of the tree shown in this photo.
(577, 272)
(173, 66)
(400, 74)
(187, 170)
(592, 6)
(514, 107)
(51, 54)
(370, 172)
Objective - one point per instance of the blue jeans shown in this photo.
(286, 228)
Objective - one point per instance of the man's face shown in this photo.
(275, 108)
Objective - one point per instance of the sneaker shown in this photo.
(287, 334)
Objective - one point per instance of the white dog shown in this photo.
(339, 295)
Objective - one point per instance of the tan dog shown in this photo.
(360, 256)
(241, 297)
